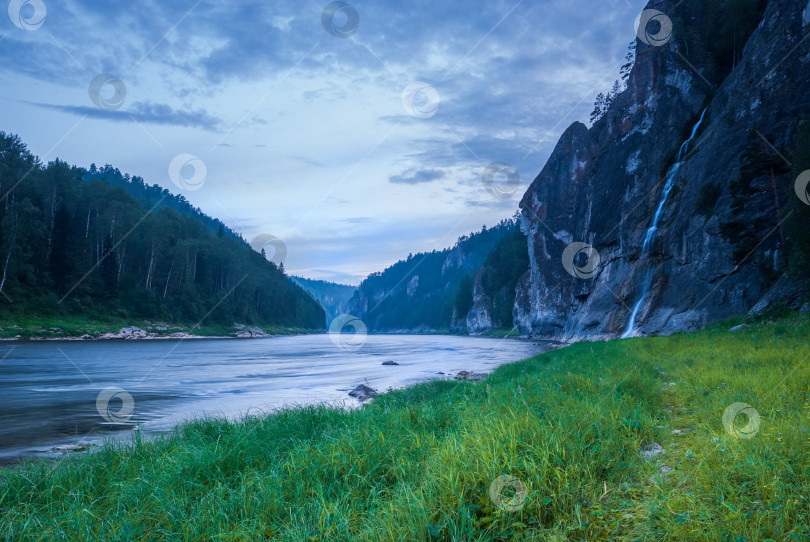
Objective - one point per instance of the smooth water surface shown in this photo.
(49, 390)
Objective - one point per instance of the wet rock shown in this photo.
(68, 448)
(389, 362)
(363, 392)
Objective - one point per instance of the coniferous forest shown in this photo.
(96, 243)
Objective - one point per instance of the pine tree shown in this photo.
(630, 61)
(599, 107)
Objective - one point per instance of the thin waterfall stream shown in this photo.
(672, 175)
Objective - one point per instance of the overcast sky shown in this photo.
(315, 126)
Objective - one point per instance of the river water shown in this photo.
(52, 393)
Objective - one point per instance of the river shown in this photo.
(52, 393)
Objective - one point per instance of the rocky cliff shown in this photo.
(674, 235)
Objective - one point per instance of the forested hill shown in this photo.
(445, 290)
(155, 194)
(100, 244)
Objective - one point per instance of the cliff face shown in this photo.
(718, 248)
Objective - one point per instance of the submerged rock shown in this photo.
(68, 448)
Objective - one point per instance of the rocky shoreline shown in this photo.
(135, 333)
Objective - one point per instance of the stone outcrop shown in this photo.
(719, 248)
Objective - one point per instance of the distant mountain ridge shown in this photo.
(435, 291)
(333, 297)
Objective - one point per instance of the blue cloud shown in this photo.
(417, 176)
(147, 113)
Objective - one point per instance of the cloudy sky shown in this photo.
(356, 134)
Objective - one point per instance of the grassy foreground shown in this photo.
(419, 464)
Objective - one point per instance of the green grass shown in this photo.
(417, 464)
(35, 327)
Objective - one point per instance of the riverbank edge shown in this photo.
(212, 442)
(39, 329)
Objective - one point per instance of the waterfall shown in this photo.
(672, 175)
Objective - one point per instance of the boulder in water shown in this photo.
(363, 392)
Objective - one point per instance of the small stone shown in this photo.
(652, 450)
(389, 362)
(677, 432)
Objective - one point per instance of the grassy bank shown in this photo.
(63, 327)
(419, 464)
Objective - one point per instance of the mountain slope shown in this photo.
(682, 242)
(74, 244)
(431, 291)
(333, 297)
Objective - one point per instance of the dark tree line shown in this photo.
(101, 244)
